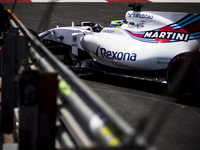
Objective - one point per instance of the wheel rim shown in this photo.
(183, 77)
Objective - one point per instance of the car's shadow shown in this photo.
(137, 84)
(126, 82)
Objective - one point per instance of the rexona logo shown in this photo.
(124, 56)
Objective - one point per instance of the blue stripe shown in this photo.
(196, 33)
(186, 19)
(194, 37)
(142, 39)
(178, 25)
(189, 22)
(140, 32)
(174, 25)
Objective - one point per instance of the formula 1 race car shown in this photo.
(156, 46)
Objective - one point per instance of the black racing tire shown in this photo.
(183, 75)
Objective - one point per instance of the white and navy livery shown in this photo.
(158, 46)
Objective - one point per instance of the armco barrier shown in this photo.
(49, 106)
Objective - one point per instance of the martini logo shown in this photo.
(163, 35)
(167, 34)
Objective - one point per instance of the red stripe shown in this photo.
(137, 35)
(12, 1)
(128, 0)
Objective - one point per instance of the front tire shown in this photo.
(183, 75)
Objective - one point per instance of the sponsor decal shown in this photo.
(143, 23)
(167, 35)
(108, 31)
(184, 30)
(74, 45)
(74, 38)
(124, 56)
(163, 60)
(142, 15)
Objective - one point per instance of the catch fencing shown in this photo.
(46, 106)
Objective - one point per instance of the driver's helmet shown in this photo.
(116, 23)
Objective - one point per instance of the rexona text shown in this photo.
(102, 52)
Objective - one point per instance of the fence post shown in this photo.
(28, 108)
(8, 74)
(47, 111)
(14, 54)
(38, 93)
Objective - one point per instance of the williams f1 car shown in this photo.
(156, 46)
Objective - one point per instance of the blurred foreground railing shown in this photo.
(49, 106)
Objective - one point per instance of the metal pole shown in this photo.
(28, 121)
(47, 111)
(8, 74)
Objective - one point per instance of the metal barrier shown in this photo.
(51, 107)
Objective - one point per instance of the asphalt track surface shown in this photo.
(171, 124)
